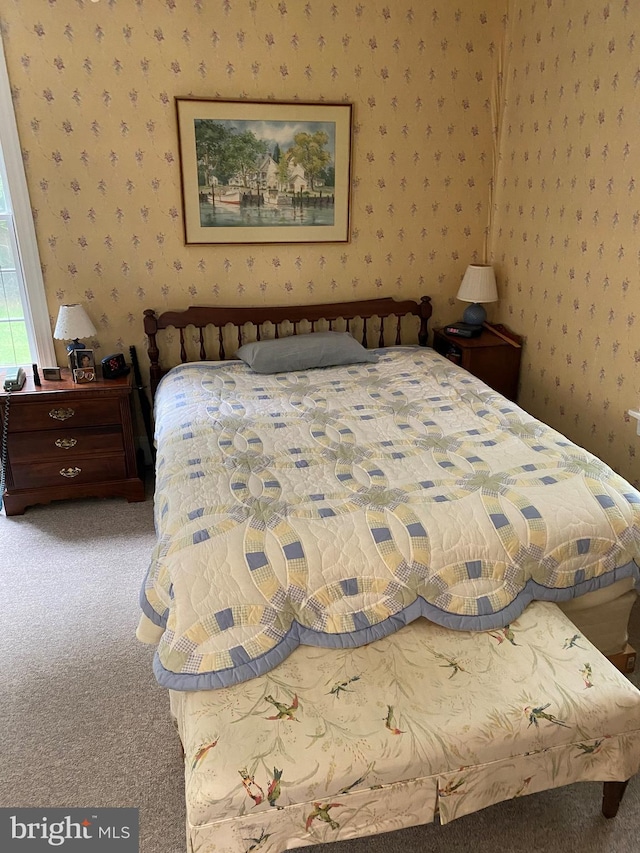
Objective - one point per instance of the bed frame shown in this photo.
(200, 317)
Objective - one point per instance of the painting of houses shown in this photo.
(266, 172)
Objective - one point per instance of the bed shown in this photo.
(304, 515)
(595, 587)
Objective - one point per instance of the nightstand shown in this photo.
(68, 440)
(491, 357)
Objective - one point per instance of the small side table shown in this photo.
(489, 356)
(68, 440)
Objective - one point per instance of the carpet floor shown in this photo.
(83, 722)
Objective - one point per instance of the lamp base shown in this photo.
(474, 314)
(75, 344)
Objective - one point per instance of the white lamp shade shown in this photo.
(73, 323)
(478, 284)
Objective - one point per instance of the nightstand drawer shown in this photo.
(52, 414)
(63, 443)
(70, 471)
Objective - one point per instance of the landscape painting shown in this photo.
(264, 172)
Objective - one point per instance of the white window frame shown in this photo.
(33, 295)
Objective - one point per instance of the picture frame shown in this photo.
(82, 359)
(52, 374)
(84, 374)
(264, 171)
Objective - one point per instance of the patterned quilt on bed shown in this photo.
(332, 507)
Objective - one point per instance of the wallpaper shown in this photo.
(479, 126)
(566, 222)
(94, 87)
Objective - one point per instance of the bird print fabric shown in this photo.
(337, 743)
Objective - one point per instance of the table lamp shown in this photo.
(478, 285)
(73, 323)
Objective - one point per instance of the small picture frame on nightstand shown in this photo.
(84, 374)
(51, 374)
(83, 366)
(82, 359)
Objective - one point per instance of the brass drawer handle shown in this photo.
(70, 472)
(61, 414)
(66, 443)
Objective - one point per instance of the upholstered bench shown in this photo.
(336, 744)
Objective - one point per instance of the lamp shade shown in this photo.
(73, 323)
(478, 284)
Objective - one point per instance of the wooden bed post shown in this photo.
(150, 328)
(426, 309)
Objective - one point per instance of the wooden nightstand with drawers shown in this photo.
(68, 440)
(493, 356)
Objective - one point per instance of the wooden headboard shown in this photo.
(200, 317)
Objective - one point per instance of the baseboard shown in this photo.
(625, 660)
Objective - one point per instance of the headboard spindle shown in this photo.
(398, 338)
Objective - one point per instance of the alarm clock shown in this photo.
(463, 330)
(114, 366)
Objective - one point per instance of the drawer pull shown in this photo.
(70, 472)
(66, 443)
(61, 414)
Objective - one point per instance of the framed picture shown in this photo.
(264, 172)
(82, 359)
(84, 374)
(51, 373)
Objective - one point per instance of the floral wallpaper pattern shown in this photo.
(94, 87)
(567, 217)
(478, 126)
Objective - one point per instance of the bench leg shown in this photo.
(612, 794)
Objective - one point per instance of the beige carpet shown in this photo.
(83, 723)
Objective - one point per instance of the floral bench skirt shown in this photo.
(336, 744)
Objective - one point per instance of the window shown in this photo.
(25, 330)
(16, 345)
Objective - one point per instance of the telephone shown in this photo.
(14, 379)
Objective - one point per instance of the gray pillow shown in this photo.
(300, 352)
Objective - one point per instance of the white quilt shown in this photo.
(331, 507)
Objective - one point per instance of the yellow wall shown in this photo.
(567, 217)
(94, 85)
